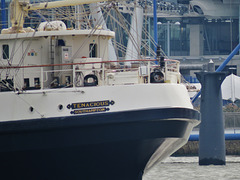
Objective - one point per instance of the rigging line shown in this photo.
(120, 25)
(150, 37)
(113, 21)
(23, 57)
(122, 34)
(137, 30)
(121, 37)
(41, 115)
(147, 33)
(118, 20)
(14, 47)
(67, 14)
(128, 31)
(134, 41)
(84, 42)
(121, 45)
(26, 49)
(13, 53)
(151, 51)
(40, 15)
(121, 21)
(104, 19)
(147, 47)
(101, 19)
(124, 48)
(65, 67)
(89, 35)
(121, 48)
(145, 19)
(85, 16)
(78, 16)
(11, 59)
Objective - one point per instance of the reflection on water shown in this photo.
(182, 168)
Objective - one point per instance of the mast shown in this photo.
(135, 36)
(99, 21)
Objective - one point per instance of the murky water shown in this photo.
(184, 168)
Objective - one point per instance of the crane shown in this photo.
(19, 9)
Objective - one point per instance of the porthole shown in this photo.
(60, 107)
(31, 109)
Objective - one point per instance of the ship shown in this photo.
(70, 112)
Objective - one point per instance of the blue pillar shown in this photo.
(155, 24)
(211, 133)
(221, 67)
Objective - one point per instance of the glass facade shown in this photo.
(4, 13)
(220, 37)
(173, 38)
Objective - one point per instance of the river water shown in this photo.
(187, 168)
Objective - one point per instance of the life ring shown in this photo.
(156, 77)
(90, 80)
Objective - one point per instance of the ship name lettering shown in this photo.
(90, 104)
(82, 111)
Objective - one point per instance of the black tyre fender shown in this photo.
(157, 77)
(93, 82)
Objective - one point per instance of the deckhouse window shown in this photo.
(5, 51)
(26, 83)
(93, 50)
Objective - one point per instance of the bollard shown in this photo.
(211, 133)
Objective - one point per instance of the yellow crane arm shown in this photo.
(55, 4)
(20, 8)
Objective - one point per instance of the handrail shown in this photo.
(102, 71)
(66, 64)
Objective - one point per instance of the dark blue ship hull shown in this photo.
(98, 146)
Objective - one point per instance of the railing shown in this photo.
(52, 75)
(232, 120)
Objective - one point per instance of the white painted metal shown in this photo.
(16, 106)
(135, 36)
(99, 21)
(34, 48)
